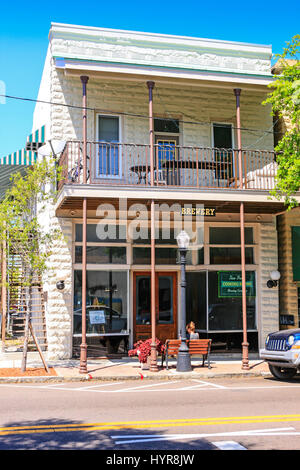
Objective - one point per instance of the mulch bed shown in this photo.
(30, 372)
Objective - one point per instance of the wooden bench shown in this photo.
(196, 347)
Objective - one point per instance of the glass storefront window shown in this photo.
(230, 255)
(106, 301)
(164, 237)
(142, 255)
(196, 299)
(166, 255)
(229, 236)
(201, 256)
(115, 233)
(225, 300)
(102, 254)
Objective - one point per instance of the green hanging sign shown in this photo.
(230, 284)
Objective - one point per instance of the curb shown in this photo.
(45, 379)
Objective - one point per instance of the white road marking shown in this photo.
(201, 384)
(52, 385)
(139, 387)
(130, 439)
(83, 389)
(228, 445)
(210, 387)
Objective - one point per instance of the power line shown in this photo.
(142, 116)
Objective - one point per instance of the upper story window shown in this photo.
(222, 136)
(222, 139)
(108, 161)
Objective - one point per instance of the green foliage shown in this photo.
(285, 101)
(20, 211)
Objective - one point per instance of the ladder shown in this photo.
(18, 294)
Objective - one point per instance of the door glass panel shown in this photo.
(196, 299)
(143, 300)
(165, 300)
(166, 150)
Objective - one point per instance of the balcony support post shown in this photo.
(245, 344)
(83, 346)
(3, 295)
(153, 357)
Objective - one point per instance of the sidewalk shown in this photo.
(128, 369)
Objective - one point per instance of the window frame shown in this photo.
(233, 170)
(97, 174)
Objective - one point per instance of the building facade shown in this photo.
(161, 133)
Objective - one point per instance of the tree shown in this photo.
(22, 234)
(285, 101)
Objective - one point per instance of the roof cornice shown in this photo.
(138, 38)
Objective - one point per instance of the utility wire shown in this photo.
(142, 116)
(258, 140)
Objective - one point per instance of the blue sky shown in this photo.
(24, 28)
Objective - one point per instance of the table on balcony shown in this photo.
(199, 165)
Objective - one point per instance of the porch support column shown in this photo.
(3, 295)
(245, 344)
(153, 358)
(83, 346)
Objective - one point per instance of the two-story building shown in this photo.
(161, 133)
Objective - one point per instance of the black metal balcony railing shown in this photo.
(186, 167)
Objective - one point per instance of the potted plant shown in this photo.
(142, 349)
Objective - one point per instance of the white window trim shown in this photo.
(226, 124)
(97, 174)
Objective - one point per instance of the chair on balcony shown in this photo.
(261, 178)
(159, 177)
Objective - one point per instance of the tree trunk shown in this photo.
(27, 322)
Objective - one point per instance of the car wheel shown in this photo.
(282, 373)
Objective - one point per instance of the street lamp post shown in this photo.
(183, 357)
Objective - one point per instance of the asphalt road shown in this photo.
(227, 414)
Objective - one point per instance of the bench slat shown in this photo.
(196, 346)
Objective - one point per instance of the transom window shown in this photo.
(219, 253)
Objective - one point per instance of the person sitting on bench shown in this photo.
(191, 333)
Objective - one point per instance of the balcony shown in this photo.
(119, 164)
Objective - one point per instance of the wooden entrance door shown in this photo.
(166, 305)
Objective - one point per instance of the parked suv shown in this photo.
(282, 352)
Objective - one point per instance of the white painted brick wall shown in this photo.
(59, 307)
(269, 298)
(186, 103)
